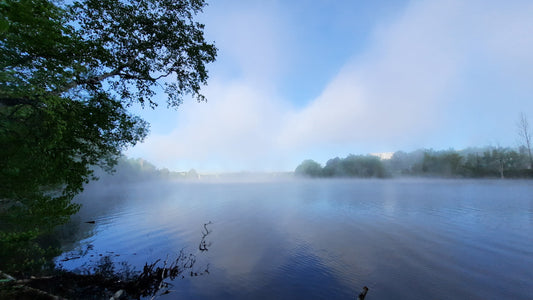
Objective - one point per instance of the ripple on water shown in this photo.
(325, 239)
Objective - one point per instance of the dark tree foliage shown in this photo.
(67, 74)
(403, 163)
(363, 166)
(468, 163)
(447, 164)
(309, 168)
(332, 167)
(492, 162)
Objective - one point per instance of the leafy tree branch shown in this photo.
(68, 72)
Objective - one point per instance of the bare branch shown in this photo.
(524, 131)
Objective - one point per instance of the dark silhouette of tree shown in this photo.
(333, 167)
(352, 166)
(469, 163)
(69, 70)
(446, 163)
(309, 168)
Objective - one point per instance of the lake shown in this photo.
(319, 239)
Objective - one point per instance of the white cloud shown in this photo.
(399, 92)
(232, 130)
(387, 93)
(411, 87)
(251, 37)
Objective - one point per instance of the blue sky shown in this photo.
(317, 79)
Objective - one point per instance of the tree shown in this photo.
(351, 166)
(362, 166)
(402, 163)
(524, 131)
(68, 72)
(445, 163)
(309, 168)
(333, 167)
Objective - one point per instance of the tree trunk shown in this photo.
(501, 169)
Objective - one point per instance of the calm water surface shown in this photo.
(323, 239)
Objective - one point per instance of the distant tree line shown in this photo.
(138, 169)
(351, 166)
(469, 163)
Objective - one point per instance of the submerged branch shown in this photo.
(104, 281)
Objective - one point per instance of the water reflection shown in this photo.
(102, 273)
(325, 239)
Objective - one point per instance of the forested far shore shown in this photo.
(128, 170)
(486, 162)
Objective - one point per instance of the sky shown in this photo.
(298, 80)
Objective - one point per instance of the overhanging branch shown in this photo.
(99, 78)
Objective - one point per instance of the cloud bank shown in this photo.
(435, 74)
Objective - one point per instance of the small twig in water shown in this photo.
(203, 244)
(362, 295)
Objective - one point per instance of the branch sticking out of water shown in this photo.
(362, 295)
(101, 280)
(203, 244)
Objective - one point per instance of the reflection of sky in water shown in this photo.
(325, 239)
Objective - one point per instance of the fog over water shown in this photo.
(320, 239)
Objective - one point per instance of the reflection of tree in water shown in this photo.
(118, 280)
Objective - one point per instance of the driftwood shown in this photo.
(19, 289)
(362, 295)
(6, 277)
